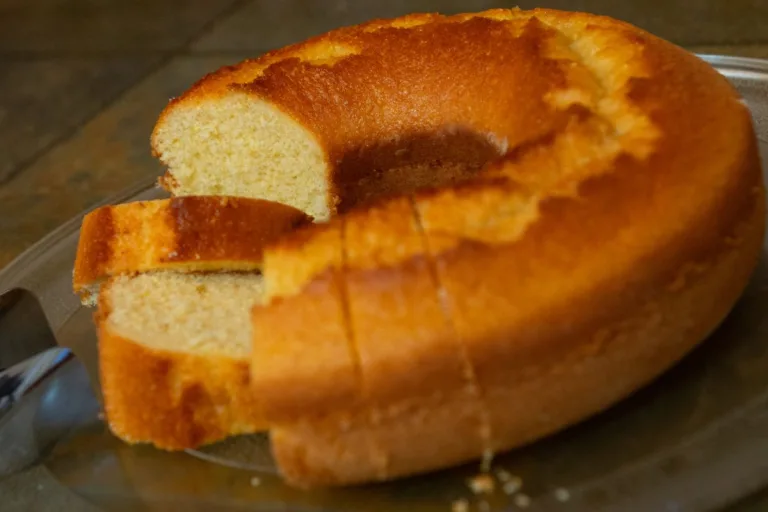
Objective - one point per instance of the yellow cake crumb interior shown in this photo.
(284, 163)
(195, 313)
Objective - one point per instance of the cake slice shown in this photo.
(174, 352)
(193, 233)
(415, 378)
(303, 361)
(177, 280)
(305, 367)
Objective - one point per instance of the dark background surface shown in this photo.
(82, 82)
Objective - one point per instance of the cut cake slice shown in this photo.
(193, 233)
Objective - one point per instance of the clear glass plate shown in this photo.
(695, 440)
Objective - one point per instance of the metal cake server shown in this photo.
(29, 354)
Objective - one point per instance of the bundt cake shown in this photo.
(523, 216)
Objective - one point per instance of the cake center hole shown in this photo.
(413, 162)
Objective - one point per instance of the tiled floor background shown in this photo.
(82, 81)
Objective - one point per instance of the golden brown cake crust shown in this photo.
(292, 382)
(615, 231)
(183, 233)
